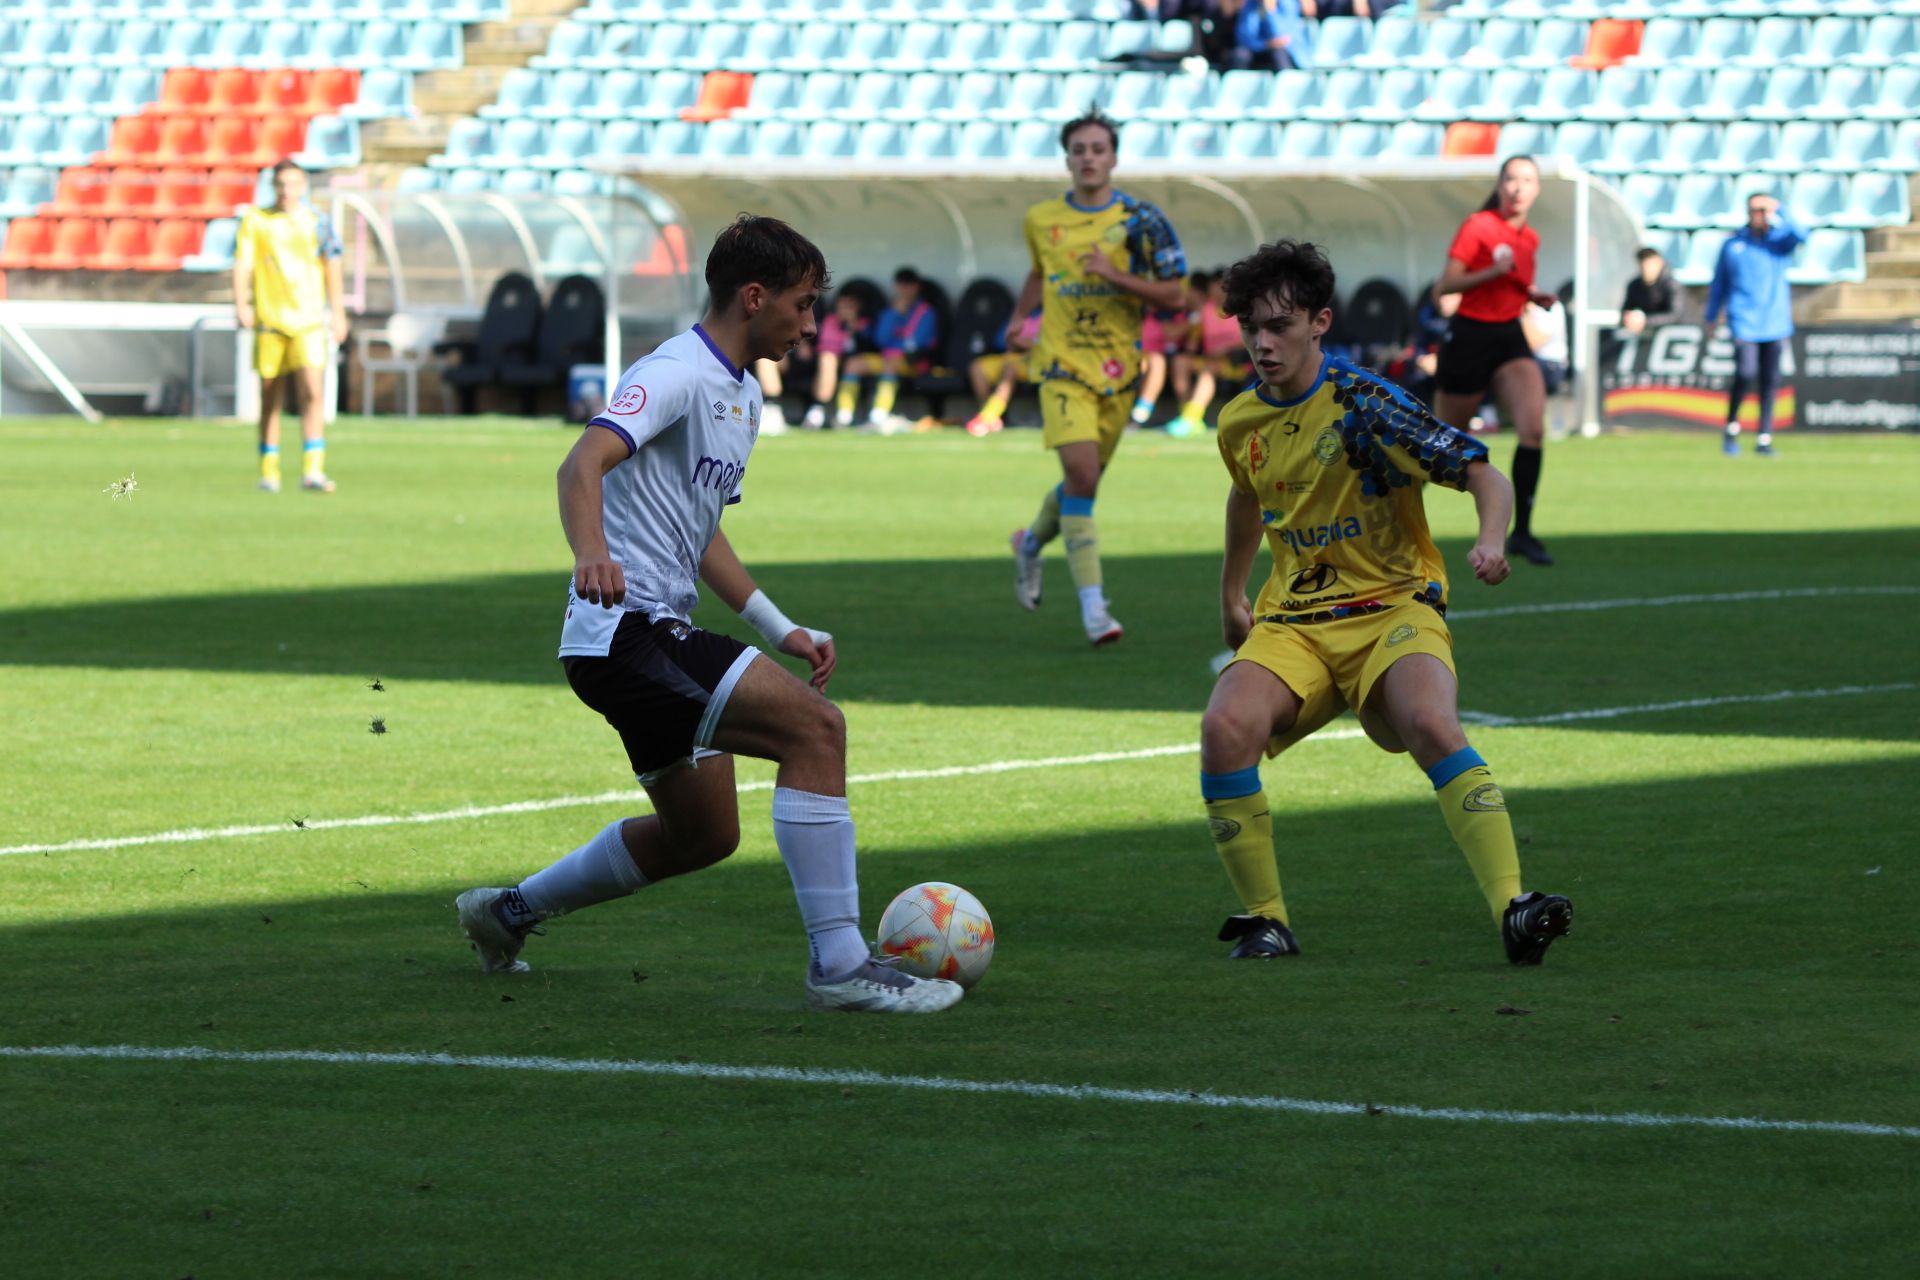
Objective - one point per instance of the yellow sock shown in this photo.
(885, 392)
(313, 458)
(849, 394)
(270, 463)
(1046, 525)
(1083, 542)
(1476, 814)
(1243, 832)
(994, 408)
(1195, 411)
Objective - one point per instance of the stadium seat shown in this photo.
(1252, 140)
(1287, 95)
(1397, 95)
(185, 89)
(927, 95)
(1073, 45)
(1029, 97)
(1846, 93)
(1564, 95)
(567, 93)
(1466, 138)
(508, 328)
(1133, 93)
(1693, 265)
(784, 139)
(1776, 39)
(663, 46)
(718, 44)
(724, 140)
(826, 140)
(1649, 195)
(1521, 139)
(1234, 95)
(1742, 145)
(515, 143)
(1891, 39)
(1343, 95)
(1677, 93)
(823, 95)
(1150, 141)
(137, 139)
(215, 251)
(36, 90)
(25, 191)
(1706, 200)
(382, 93)
(1803, 144)
(230, 43)
(1690, 146)
(624, 143)
(1355, 138)
(721, 94)
(1733, 94)
(81, 193)
(523, 92)
(1829, 255)
(469, 181)
(433, 46)
(932, 140)
(1582, 143)
(1833, 39)
(1634, 146)
(75, 242)
(182, 43)
(28, 240)
(1789, 93)
(1610, 41)
(134, 89)
(1875, 200)
(921, 45)
(773, 96)
(1306, 140)
(623, 93)
(1199, 140)
(967, 48)
(1723, 41)
(1452, 94)
(1341, 41)
(131, 193)
(983, 140)
(1904, 156)
(329, 89)
(29, 139)
(1396, 42)
(1862, 144)
(333, 142)
(1622, 94)
(1819, 199)
(136, 45)
(235, 90)
(124, 242)
(469, 142)
(577, 44)
(1412, 140)
(1510, 93)
(1666, 40)
(1035, 140)
(667, 93)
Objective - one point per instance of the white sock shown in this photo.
(1093, 602)
(815, 835)
(598, 871)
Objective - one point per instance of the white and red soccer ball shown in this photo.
(938, 930)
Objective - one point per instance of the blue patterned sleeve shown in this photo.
(329, 243)
(1396, 439)
(1156, 248)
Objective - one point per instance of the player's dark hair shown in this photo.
(1201, 280)
(1647, 251)
(288, 163)
(1094, 115)
(1294, 271)
(906, 275)
(1492, 204)
(763, 251)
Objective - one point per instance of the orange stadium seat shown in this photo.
(1610, 41)
(126, 241)
(174, 239)
(236, 90)
(226, 190)
(279, 137)
(131, 193)
(81, 193)
(1471, 138)
(185, 89)
(285, 91)
(332, 89)
(136, 139)
(27, 240)
(75, 241)
(182, 139)
(721, 94)
(233, 140)
(178, 191)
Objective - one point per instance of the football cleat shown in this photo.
(317, 483)
(1258, 938)
(1026, 571)
(1528, 547)
(1764, 450)
(1730, 445)
(1531, 923)
(878, 986)
(269, 485)
(483, 919)
(1101, 628)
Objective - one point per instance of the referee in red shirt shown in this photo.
(1491, 266)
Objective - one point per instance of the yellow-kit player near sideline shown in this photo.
(1100, 259)
(1331, 461)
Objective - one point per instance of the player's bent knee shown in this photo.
(1229, 732)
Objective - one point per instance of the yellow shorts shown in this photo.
(995, 364)
(1334, 665)
(1073, 413)
(277, 353)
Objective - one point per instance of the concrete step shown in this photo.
(405, 142)
(542, 8)
(1866, 315)
(509, 43)
(1878, 295)
(1893, 265)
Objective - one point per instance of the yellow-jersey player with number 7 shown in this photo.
(1331, 461)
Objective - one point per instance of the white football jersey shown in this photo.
(689, 419)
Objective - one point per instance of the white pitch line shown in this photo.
(1656, 602)
(949, 1084)
(1483, 719)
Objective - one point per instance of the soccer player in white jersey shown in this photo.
(640, 500)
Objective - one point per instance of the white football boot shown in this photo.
(1026, 571)
(878, 986)
(496, 942)
(1101, 628)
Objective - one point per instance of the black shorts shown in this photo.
(662, 685)
(1474, 349)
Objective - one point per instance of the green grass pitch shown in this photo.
(197, 656)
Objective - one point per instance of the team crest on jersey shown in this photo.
(630, 401)
(1055, 233)
(1401, 634)
(1326, 447)
(1256, 452)
(1113, 368)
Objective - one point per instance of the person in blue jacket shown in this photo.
(1270, 35)
(907, 334)
(1750, 284)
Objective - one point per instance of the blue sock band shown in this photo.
(269, 448)
(311, 445)
(1060, 490)
(1453, 766)
(1230, 786)
(1072, 506)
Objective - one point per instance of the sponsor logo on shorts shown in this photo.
(1313, 580)
(630, 401)
(1485, 798)
(1224, 829)
(1401, 634)
(1326, 447)
(679, 630)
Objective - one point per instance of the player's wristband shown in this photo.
(764, 616)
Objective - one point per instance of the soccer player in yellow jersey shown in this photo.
(287, 288)
(1100, 259)
(1331, 461)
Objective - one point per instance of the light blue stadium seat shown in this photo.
(1834, 40)
(26, 189)
(1174, 38)
(1287, 95)
(625, 142)
(572, 44)
(433, 46)
(1733, 94)
(1253, 140)
(932, 140)
(1622, 94)
(1344, 93)
(1706, 200)
(137, 46)
(1080, 90)
(967, 48)
(1181, 98)
(1817, 199)
(729, 139)
(282, 43)
(1789, 93)
(581, 183)
(231, 44)
(1581, 142)
(1554, 41)
(1020, 46)
(921, 45)
(868, 46)
(718, 44)
(1355, 140)
(522, 93)
(1669, 244)
(515, 143)
(767, 46)
(572, 143)
(983, 140)
(217, 246)
(1396, 41)
(38, 42)
(1830, 255)
(1397, 94)
(1236, 95)
(469, 143)
(1847, 93)
(660, 47)
(1522, 138)
(569, 93)
(1862, 144)
(182, 42)
(1677, 93)
(37, 90)
(1306, 140)
(1341, 41)
(677, 138)
(1667, 40)
(1199, 140)
(1720, 41)
(831, 140)
(882, 140)
(1565, 93)
(1455, 93)
(81, 137)
(1635, 146)
(873, 94)
(462, 182)
(33, 140)
(1650, 195)
(1899, 90)
(1891, 38)
(1906, 147)
(1744, 144)
(1149, 141)
(1444, 42)
(976, 94)
(1802, 144)
(522, 182)
(333, 142)
(624, 93)
(1124, 39)
(668, 93)
(1776, 40)
(1510, 93)
(1033, 140)
(1074, 45)
(337, 44)
(1133, 92)
(1694, 267)
(1502, 42)
(1876, 200)
(823, 95)
(773, 95)
(377, 44)
(1029, 96)
(1413, 140)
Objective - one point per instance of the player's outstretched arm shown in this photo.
(1243, 543)
(1493, 500)
(597, 577)
(1023, 306)
(726, 577)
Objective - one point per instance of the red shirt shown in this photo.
(1502, 298)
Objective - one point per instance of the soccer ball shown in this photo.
(939, 931)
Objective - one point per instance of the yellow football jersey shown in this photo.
(1089, 327)
(287, 249)
(1339, 475)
